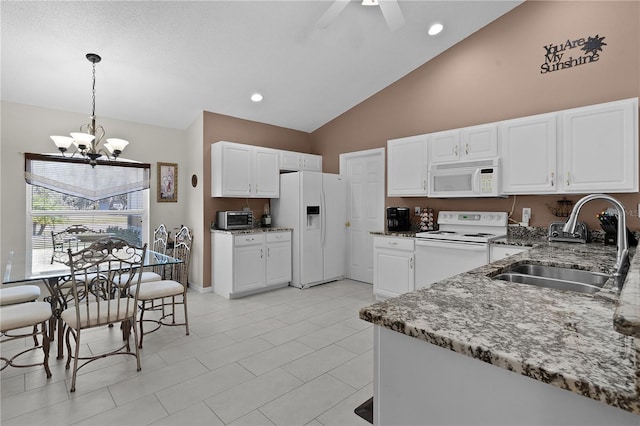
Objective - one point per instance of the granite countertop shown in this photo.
(250, 230)
(566, 339)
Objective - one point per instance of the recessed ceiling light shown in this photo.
(256, 97)
(435, 29)
(370, 3)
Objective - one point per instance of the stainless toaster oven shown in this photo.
(230, 220)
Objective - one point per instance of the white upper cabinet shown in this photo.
(464, 144)
(239, 170)
(580, 150)
(407, 167)
(600, 148)
(267, 173)
(299, 161)
(444, 146)
(528, 155)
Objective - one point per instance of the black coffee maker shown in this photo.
(398, 219)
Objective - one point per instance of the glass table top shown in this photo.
(33, 265)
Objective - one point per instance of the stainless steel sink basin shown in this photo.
(555, 277)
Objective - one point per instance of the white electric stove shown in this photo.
(460, 244)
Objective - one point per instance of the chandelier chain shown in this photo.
(93, 91)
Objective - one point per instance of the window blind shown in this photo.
(74, 176)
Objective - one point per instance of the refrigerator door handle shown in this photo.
(323, 218)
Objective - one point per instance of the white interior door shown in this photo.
(364, 173)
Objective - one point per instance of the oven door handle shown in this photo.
(458, 245)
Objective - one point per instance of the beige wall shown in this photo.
(218, 127)
(495, 75)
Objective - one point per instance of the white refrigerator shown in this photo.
(313, 204)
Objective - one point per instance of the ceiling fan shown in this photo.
(390, 10)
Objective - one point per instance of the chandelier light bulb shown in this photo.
(62, 142)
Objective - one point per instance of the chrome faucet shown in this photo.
(622, 257)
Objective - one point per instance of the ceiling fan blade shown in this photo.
(392, 14)
(331, 13)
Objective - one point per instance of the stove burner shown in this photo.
(479, 234)
(443, 233)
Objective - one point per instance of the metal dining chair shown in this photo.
(166, 294)
(101, 296)
(159, 245)
(20, 311)
(21, 294)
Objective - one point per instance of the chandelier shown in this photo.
(87, 141)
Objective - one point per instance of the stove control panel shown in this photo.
(473, 218)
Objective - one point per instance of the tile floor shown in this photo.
(284, 357)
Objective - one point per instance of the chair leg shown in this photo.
(75, 360)
(186, 317)
(141, 321)
(135, 343)
(45, 348)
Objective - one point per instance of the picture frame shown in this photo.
(167, 185)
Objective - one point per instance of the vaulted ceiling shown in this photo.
(164, 62)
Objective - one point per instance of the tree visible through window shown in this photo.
(50, 211)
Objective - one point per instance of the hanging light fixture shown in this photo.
(87, 141)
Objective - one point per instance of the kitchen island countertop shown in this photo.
(558, 337)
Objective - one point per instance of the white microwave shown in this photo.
(478, 178)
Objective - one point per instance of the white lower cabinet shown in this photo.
(247, 263)
(393, 266)
(499, 251)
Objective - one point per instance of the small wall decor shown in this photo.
(167, 182)
(562, 56)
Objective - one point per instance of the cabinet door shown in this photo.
(601, 148)
(289, 160)
(231, 174)
(393, 272)
(311, 162)
(278, 263)
(444, 146)
(479, 142)
(248, 267)
(407, 166)
(528, 155)
(267, 173)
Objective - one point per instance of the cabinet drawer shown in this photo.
(278, 237)
(398, 243)
(248, 239)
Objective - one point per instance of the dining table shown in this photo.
(28, 266)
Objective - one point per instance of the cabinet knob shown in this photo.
(568, 179)
(466, 149)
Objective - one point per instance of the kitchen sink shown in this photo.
(555, 277)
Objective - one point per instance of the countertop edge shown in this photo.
(249, 231)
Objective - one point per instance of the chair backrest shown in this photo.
(102, 276)
(160, 238)
(182, 250)
(65, 235)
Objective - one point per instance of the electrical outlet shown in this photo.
(526, 214)
(416, 211)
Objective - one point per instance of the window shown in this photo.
(49, 211)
